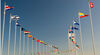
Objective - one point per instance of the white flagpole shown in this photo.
(74, 36)
(39, 47)
(92, 32)
(43, 50)
(27, 46)
(3, 28)
(80, 36)
(23, 43)
(36, 47)
(9, 33)
(46, 50)
(15, 37)
(20, 42)
(32, 47)
(68, 42)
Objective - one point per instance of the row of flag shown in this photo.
(26, 32)
(71, 33)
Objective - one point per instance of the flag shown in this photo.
(77, 46)
(74, 28)
(71, 31)
(38, 40)
(15, 17)
(82, 15)
(8, 7)
(34, 38)
(73, 40)
(91, 4)
(17, 24)
(29, 36)
(75, 23)
(23, 29)
(26, 32)
(41, 41)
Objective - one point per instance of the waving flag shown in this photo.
(82, 15)
(17, 24)
(75, 23)
(70, 31)
(34, 38)
(23, 29)
(74, 28)
(26, 32)
(8, 7)
(29, 36)
(41, 41)
(91, 4)
(38, 40)
(15, 17)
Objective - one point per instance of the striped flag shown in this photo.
(8, 7)
(82, 15)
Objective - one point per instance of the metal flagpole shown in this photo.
(92, 32)
(23, 43)
(39, 47)
(36, 47)
(20, 42)
(46, 50)
(74, 35)
(27, 46)
(43, 50)
(68, 43)
(80, 36)
(3, 28)
(9, 33)
(32, 47)
(15, 37)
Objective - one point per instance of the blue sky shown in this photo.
(49, 20)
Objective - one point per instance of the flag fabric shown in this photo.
(8, 7)
(71, 31)
(26, 32)
(41, 41)
(38, 40)
(34, 38)
(77, 46)
(74, 28)
(17, 24)
(23, 29)
(15, 17)
(29, 36)
(82, 15)
(91, 4)
(75, 23)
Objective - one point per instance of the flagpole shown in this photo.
(15, 37)
(27, 46)
(32, 47)
(36, 47)
(39, 47)
(46, 49)
(23, 43)
(74, 35)
(80, 37)
(68, 42)
(92, 32)
(3, 28)
(9, 33)
(20, 42)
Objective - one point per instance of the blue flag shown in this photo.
(75, 23)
